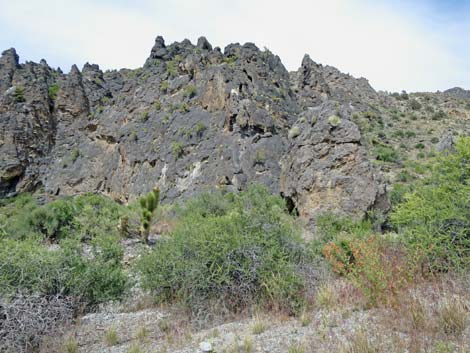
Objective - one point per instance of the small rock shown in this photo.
(294, 132)
(205, 347)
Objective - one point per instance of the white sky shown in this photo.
(412, 45)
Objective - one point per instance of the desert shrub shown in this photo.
(439, 115)
(398, 192)
(144, 116)
(53, 90)
(177, 149)
(30, 267)
(414, 104)
(404, 176)
(172, 68)
(18, 95)
(14, 215)
(164, 86)
(200, 128)
(419, 146)
(190, 91)
(230, 249)
(26, 320)
(84, 216)
(330, 226)
(434, 219)
(373, 264)
(386, 154)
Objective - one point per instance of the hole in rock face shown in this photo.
(290, 204)
(8, 187)
(230, 122)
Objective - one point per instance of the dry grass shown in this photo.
(326, 296)
(258, 326)
(142, 333)
(305, 318)
(164, 325)
(135, 348)
(361, 342)
(70, 345)
(452, 316)
(418, 314)
(297, 348)
(247, 345)
(111, 337)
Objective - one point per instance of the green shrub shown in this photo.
(84, 217)
(53, 90)
(29, 267)
(330, 226)
(415, 105)
(439, 115)
(386, 154)
(157, 105)
(164, 86)
(184, 107)
(190, 91)
(18, 95)
(398, 192)
(144, 116)
(229, 249)
(200, 128)
(434, 219)
(172, 68)
(177, 149)
(419, 146)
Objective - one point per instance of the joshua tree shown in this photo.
(148, 205)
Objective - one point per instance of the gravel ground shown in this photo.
(322, 330)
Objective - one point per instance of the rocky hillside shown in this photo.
(195, 117)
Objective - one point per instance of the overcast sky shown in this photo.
(416, 45)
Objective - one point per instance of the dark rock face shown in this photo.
(458, 92)
(192, 118)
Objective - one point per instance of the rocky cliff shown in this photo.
(193, 117)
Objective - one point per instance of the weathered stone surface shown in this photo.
(192, 118)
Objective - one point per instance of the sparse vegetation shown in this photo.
(111, 337)
(258, 327)
(18, 95)
(386, 154)
(177, 149)
(200, 128)
(144, 116)
(53, 90)
(453, 316)
(164, 86)
(190, 91)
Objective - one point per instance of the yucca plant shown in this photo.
(148, 205)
